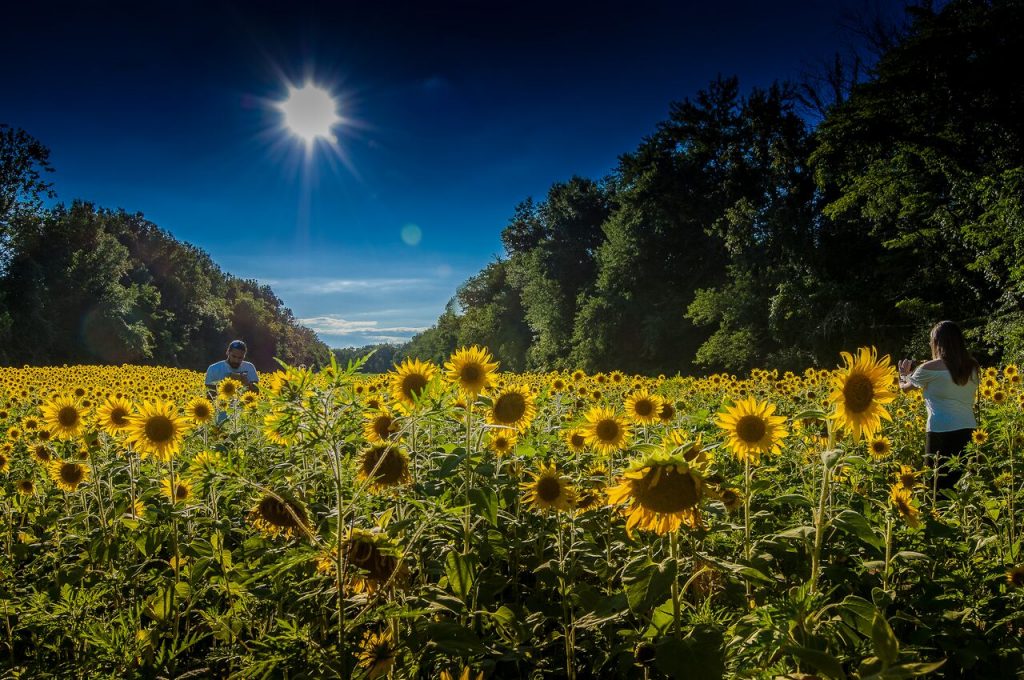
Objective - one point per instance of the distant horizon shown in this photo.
(451, 116)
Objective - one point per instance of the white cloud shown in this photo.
(328, 286)
(335, 325)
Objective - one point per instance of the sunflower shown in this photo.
(5, 463)
(862, 388)
(471, 369)
(157, 429)
(979, 436)
(228, 388)
(901, 500)
(30, 423)
(677, 443)
(279, 514)
(112, 416)
(410, 379)
(380, 426)
(377, 561)
(643, 407)
(548, 490)
(880, 447)
(281, 427)
(41, 453)
(64, 417)
(180, 492)
(466, 674)
(604, 431)
(752, 430)
(732, 499)
(998, 397)
(667, 412)
(501, 442)
(385, 465)
(25, 487)
(68, 475)
(199, 410)
(907, 478)
(512, 407)
(1015, 576)
(377, 653)
(576, 440)
(662, 492)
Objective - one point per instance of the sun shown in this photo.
(310, 112)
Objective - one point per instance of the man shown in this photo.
(234, 366)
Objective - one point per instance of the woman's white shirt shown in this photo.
(950, 406)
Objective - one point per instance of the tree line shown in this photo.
(82, 284)
(740, 233)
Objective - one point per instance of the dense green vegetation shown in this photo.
(740, 235)
(81, 284)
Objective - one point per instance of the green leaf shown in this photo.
(460, 570)
(698, 656)
(884, 641)
(792, 499)
(858, 614)
(485, 501)
(831, 457)
(855, 523)
(647, 583)
(823, 662)
(454, 638)
(802, 532)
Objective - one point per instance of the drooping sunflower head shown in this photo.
(112, 416)
(661, 493)
(376, 560)
(861, 389)
(1015, 576)
(380, 426)
(576, 440)
(64, 417)
(501, 441)
(643, 407)
(471, 369)
(880, 447)
(604, 431)
(377, 653)
(179, 492)
(548, 490)
(900, 497)
(752, 429)
(731, 498)
(67, 475)
(512, 407)
(410, 379)
(278, 514)
(385, 466)
(199, 410)
(157, 430)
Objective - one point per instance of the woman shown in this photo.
(950, 385)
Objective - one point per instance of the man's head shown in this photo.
(236, 353)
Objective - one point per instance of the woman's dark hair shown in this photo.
(947, 341)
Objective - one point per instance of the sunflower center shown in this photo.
(644, 408)
(471, 373)
(858, 393)
(878, 447)
(72, 474)
(751, 429)
(119, 416)
(412, 384)
(180, 492)
(668, 492)
(607, 430)
(509, 407)
(201, 411)
(159, 429)
(389, 471)
(578, 440)
(68, 416)
(382, 426)
(549, 489)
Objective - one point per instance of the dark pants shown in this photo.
(940, 446)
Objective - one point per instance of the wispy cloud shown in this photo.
(335, 325)
(328, 286)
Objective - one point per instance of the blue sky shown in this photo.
(455, 112)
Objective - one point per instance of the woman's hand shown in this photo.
(905, 366)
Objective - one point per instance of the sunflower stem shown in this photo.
(746, 519)
(467, 518)
(819, 518)
(567, 625)
(888, 553)
(673, 546)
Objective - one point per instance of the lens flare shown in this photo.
(310, 112)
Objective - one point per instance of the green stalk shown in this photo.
(673, 546)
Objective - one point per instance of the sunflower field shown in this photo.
(457, 522)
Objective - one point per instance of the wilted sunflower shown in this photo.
(662, 492)
(157, 430)
(67, 475)
(380, 426)
(512, 407)
(470, 368)
(376, 560)
(377, 653)
(576, 440)
(410, 379)
(901, 499)
(862, 388)
(180, 492)
(112, 416)
(548, 490)
(605, 432)
(200, 411)
(880, 447)
(752, 429)
(501, 442)
(279, 514)
(64, 417)
(643, 407)
(385, 465)
(1015, 576)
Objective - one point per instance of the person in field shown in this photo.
(234, 366)
(949, 383)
